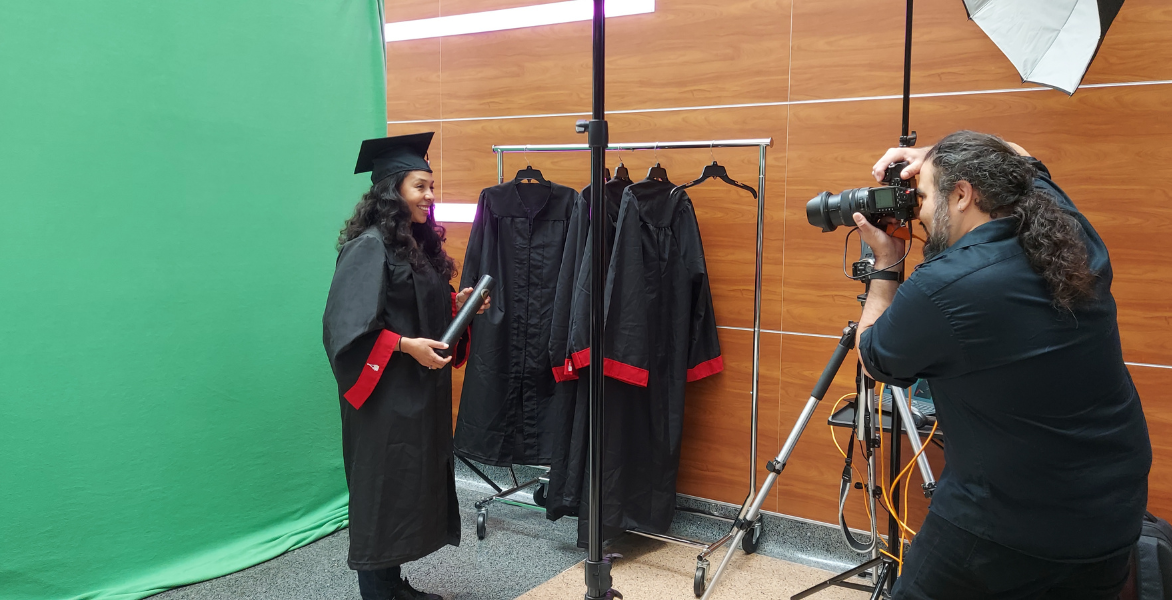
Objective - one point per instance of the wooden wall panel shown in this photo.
(714, 461)
(1136, 47)
(1120, 181)
(687, 53)
(840, 51)
(1108, 147)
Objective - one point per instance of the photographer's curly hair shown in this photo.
(420, 244)
(1004, 182)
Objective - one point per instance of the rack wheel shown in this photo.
(700, 583)
(752, 537)
(539, 496)
(481, 524)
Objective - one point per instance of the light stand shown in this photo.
(598, 581)
(866, 419)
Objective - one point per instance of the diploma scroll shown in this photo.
(464, 318)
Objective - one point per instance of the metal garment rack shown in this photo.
(749, 542)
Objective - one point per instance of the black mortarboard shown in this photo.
(384, 157)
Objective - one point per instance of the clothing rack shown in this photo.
(749, 542)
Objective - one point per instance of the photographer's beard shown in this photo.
(938, 237)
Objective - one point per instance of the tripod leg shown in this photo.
(842, 580)
(775, 466)
(881, 580)
(899, 401)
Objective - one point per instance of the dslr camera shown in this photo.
(895, 198)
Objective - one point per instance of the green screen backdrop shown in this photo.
(172, 180)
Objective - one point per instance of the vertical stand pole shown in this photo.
(598, 580)
(757, 321)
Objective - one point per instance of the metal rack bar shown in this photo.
(744, 143)
(763, 144)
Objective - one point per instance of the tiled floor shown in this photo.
(523, 550)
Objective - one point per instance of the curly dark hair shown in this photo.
(1004, 182)
(420, 244)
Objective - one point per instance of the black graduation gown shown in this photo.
(661, 333)
(518, 238)
(396, 413)
(566, 414)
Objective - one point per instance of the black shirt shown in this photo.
(1047, 448)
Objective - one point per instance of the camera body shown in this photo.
(895, 198)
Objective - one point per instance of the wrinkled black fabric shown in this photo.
(397, 449)
(567, 414)
(659, 324)
(1048, 450)
(517, 238)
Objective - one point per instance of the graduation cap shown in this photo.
(384, 157)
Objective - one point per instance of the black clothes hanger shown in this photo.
(715, 171)
(606, 172)
(621, 174)
(657, 172)
(530, 173)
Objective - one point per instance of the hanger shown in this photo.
(657, 172)
(530, 173)
(620, 172)
(715, 171)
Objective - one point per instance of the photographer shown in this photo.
(1010, 318)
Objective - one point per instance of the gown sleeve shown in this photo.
(704, 357)
(355, 339)
(572, 256)
(627, 355)
(472, 255)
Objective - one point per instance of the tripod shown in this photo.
(867, 422)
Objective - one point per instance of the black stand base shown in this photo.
(598, 580)
(885, 568)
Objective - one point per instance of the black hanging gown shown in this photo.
(517, 237)
(660, 333)
(396, 413)
(566, 413)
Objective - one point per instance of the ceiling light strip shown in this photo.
(511, 18)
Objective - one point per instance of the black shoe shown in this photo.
(406, 592)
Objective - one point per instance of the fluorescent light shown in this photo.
(511, 18)
(453, 212)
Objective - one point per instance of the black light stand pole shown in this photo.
(907, 140)
(598, 581)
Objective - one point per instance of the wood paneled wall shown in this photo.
(807, 74)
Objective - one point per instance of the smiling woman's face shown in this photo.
(418, 191)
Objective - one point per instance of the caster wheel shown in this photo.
(481, 524)
(752, 538)
(539, 496)
(700, 583)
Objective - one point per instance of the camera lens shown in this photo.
(830, 211)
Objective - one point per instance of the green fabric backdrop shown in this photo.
(172, 180)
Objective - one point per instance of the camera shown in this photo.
(895, 198)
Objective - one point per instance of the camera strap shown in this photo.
(844, 491)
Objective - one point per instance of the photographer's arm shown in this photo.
(888, 250)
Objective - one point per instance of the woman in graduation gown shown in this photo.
(389, 301)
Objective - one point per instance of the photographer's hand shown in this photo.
(888, 250)
(914, 157)
(422, 350)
